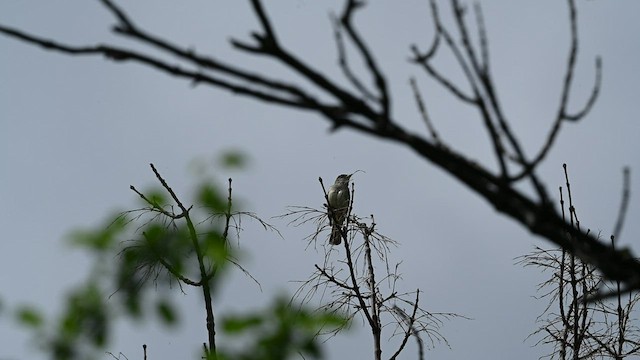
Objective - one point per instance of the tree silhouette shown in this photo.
(369, 109)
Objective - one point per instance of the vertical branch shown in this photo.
(379, 79)
(344, 64)
(561, 285)
(622, 337)
(411, 330)
(423, 111)
(459, 13)
(204, 277)
(264, 20)
(619, 311)
(574, 312)
(624, 203)
(484, 46)
(376, 327)
(584, 305)
(371, 313)
(355, 286)
(564, 98)
(477, 75)
(227, 216)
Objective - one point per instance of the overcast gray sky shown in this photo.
(76, 132)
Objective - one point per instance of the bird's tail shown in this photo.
(336, 235)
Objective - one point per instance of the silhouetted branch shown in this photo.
(484, 42)
(624, 202)
(410, 328)
(204, 276)
(423, 111)
(562, 114)
(344, 64)
(381, 84)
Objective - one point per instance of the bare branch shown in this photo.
(424, 58)
(562, 114)
(459, 13)
(423, 111)
(595, 91)
(264, 20)
(381, 84)
(410, 329)
(118, 13)
(624, 202)
(344, 64)
(484, 42)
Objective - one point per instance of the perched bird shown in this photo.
(339, 197)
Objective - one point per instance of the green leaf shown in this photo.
(86, 315)
(233, 159)
(238, 324)
(281, 331)
(156, 196)
(215, 247)
(166, 312)
(212, 198)
(103, 239)
(29, 316)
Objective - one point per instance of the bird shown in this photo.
(338, 197)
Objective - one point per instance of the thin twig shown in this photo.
(381, 84)
(624, 202)
(344, 64)
(423, 111)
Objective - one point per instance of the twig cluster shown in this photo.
(580, 321)
(352, 284)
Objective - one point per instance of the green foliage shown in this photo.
(157, 197)
(102, 239)
(86, 315)
(238, 325)
(84, 324)
(29, 316)
(233, 159)
(282, 331)
(214, 247)
(166, 312)
(211, 198)
(148, 258)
